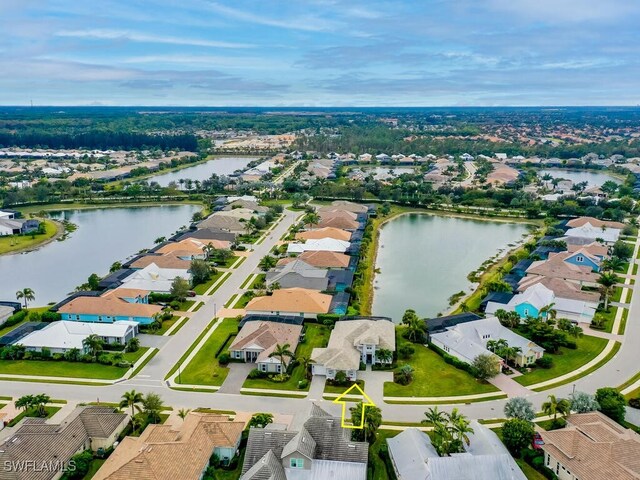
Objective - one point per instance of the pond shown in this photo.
(593, 178)
(104, 236)
(424, 259)
(219, 166)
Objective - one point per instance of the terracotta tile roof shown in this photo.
(321, 259)
(165, 453)
(594, 248)
(345, 205)
(338, 222)
(188, 245)
(580, 221)
(126, 292)
(327, 232)
(592, 447)
(108, 306)
(556, 267)
(162, 261)
(266, 335)
(561, 288)
(294, 300)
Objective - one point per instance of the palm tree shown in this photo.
(607, 281)
(131, 400)
(460, 426)
(152, 406)
(311, 219)
(434, 416)
(415, 329)
(26, 295)
(183, 412)
(267, 263)
(39, 403)
(511, 353)
(555, 406)
(93, 343)
(549, 312)
(282, 352)
(25, 402)
(613, 263)
(305, 363)
(384, 355)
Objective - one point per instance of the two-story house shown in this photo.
(353, 342)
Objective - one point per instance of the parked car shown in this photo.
(537, 441)
(191, 293)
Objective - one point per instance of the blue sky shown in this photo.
(320, 52)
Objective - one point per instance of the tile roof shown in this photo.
(347, 206)
(341, 352)
(593, 447)
(327, 232)
(40, 442)
(188, 245)
(109, 306)
(561, 288)
(594, 248)
(322, 259)
(556, 267)
(295, 300)
(265, 336)
(165, 452)
(162, 261)
(580, 221)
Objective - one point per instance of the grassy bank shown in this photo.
(17, 243)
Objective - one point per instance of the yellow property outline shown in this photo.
(366, 402)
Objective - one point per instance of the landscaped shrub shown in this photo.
(544, 362)
(175, 305)
(406, 351)
(104, 359)
(50, 316)
(15, 318)
(35, 317)
(328, 319)
(302, 384)
(223, 359)
(557, 424)
(57, 356)
(160, 297)
(255, 373)
(571, 344)
(451, 360)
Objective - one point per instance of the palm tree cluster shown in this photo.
(502, 348)
(554, 406)
(34, 402)
(451, 430)
(149, 408)
(414, 327)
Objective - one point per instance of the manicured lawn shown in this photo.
(19, 242)
(242, 301)
(204, 368)
(51, 368)
(566, 360)
(341, 389)
(32, 413)
(203, 287)
(316, 336)
(167, 324)
(434, 378)
(184, 306)
(529, 472)
(376, 464)
(259, 279)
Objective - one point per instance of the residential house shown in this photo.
(466, 341)
(291, 301)
(321, 244)
(588, 232)
(556, 267)
(257, 340)
(5, 313)
(414, 457)
(246, 204)
(337, 219)
(154, 279)
(321, 259)
(592, 447)
(17, 226)
(187, 249)
(161, 261)
(345, 205)
(561, 289)
(582, 257)
(171, 452)
(327, 232)
(532, 300)
(298, 274)
(62, 336)
(109, 308)
(225, 223)
(594, 248)
(594, 222)
(49, 447)
(320, 450)
(207, 235)
(244, 214)
(353, 342)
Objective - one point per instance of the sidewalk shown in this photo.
(509, 386)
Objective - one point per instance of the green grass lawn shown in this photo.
(18, 242)
(204, 368)
(376, 464)
(259, 279)
(184, 306)
(203, 287)
(529, 472)
(51, 368)
(316, 336)
(340, 389)
(32, 413)
(166, 325)
(566, 360)
(243, 299)
(434, 378)
(94, 466)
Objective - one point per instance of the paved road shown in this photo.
(621, 368)
(177, 344)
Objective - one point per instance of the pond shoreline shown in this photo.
(500, 257)
(60, 231)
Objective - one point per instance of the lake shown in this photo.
(593, 178)
(104, 236)
(202, 171)
(424, 259)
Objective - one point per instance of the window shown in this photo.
(296, 462)
(579, 258)
(526, 312)
(548, 459)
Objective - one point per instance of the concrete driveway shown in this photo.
(237, 375)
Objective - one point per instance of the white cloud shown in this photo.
(567, 11)
(108, 34)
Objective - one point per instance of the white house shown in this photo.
(466, 341)
(154, 279)
(353, 342)
(589, 232)
(319, 244)
(63, 335)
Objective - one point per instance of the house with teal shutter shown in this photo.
(527, 304)
(583, 258)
